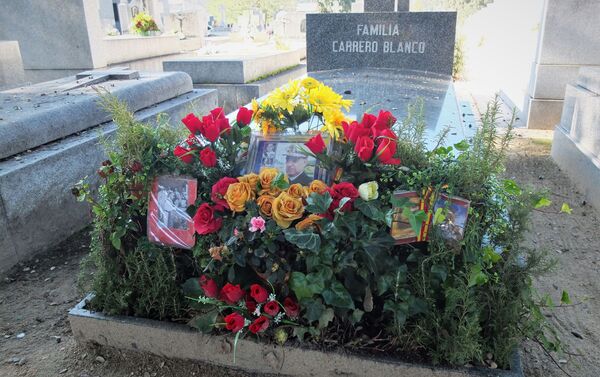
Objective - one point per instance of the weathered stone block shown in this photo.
(589, 78)
(11, 65)
(543, 114)
(549, 81)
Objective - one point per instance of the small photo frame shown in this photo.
(401, 230)
(288, 154)
(456, 211)
(168, 221)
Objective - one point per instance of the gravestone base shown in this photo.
(37, 208)
(232, 96)
(543, 114)
(11, 65)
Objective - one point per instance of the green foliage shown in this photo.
(330, 6)
(458, 66)
(235, 8)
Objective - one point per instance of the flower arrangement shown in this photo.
(316, 261)
(143, 24)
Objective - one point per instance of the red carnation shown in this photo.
(218, 192)
(258, 293)
(205, 221)
(340, 191)
(192, 123)
(259, 325)
(316, 144)
(386, 147)
(231, 294)
(209, 286)
(291, 307)
(271, 308)
(244, 116)
(364, 148)
(208, 157)
(183, 154)
(234, 322)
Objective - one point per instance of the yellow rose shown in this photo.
(251, 179)
(317, 186)
(265, 179)
(237, 195)
(286, 209)
(265, 204)
(297, 191)
(308, 222)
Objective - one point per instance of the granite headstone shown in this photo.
(387, 5)
(421, 41)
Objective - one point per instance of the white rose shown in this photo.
(368, 191)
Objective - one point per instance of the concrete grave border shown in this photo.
(181, 342)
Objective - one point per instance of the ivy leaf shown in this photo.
(299, 285)
(191, 288)
(511, 187)
(415, 219)
(439, 216)
(399, 310)
(314, 309)
(439, 271)
(542, 202)
(369, 209)
(338, 296)
(348, 220)
(565, 299)
(325, 318)
(462, 146)
(318, 203)
(304, 239)
(280, 182)
(477, 276)
(566, 209)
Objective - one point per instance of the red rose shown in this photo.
(223, 124)
(244, 116)
(210, 129)
(291, 307)
(271, 308)
(192, 123)
(250, 304)
(316, 144)
(368, 120)
(208, 157)
(355, 130)
(218, 192)
(364, 148)
(209, 286)
(385, 119)
(231, 294)
(217, 113)
(386, 147)
(183, 154)
(234, 322)
(259, 325)
(340, 191)
(205, 221)
(258, 293)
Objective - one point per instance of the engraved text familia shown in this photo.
(387, 47)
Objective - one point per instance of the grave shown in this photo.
(49, 140)
(576, 144)
(241, 77)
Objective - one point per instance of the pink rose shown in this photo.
(256, 224)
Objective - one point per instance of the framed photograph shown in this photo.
(455, 212)
(168, 221)
(401, 230)
(287, 153)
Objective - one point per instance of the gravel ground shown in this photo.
(35, 338)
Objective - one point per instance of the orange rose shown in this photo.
(266, 178)
(237, 195)
(308, 222)
(317, 186)
(297, 191)
(286, 209)
(251, 179)
(265, 204)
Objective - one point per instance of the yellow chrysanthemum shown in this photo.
(324, 98)
(333, 123)
(285, 98)
(268, 127)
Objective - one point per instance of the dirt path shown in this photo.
(35, 339)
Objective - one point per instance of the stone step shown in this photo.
(589, 78)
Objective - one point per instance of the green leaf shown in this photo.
(565, 299)
(299, 285)
(415, 219)
(205, 321)
(542, 202)
(314, 309)
(299, 332)
(191, 288)
(439, 271)
(477, 276)
(369, 209)
(462, 146)
(325, 318)
(338, 296)
(565, 208)
(439, 216)
(399, 310)
(116, 242)
(356, 316)
(348, 220)
(318, 203)
(304, 239)
(511, 187)
(280, 182)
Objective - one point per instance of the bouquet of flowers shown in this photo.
(143, 24)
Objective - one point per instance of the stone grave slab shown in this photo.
(376, 89)
(11, 65)
(37, 209)
(35, 115)
(400, 40)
